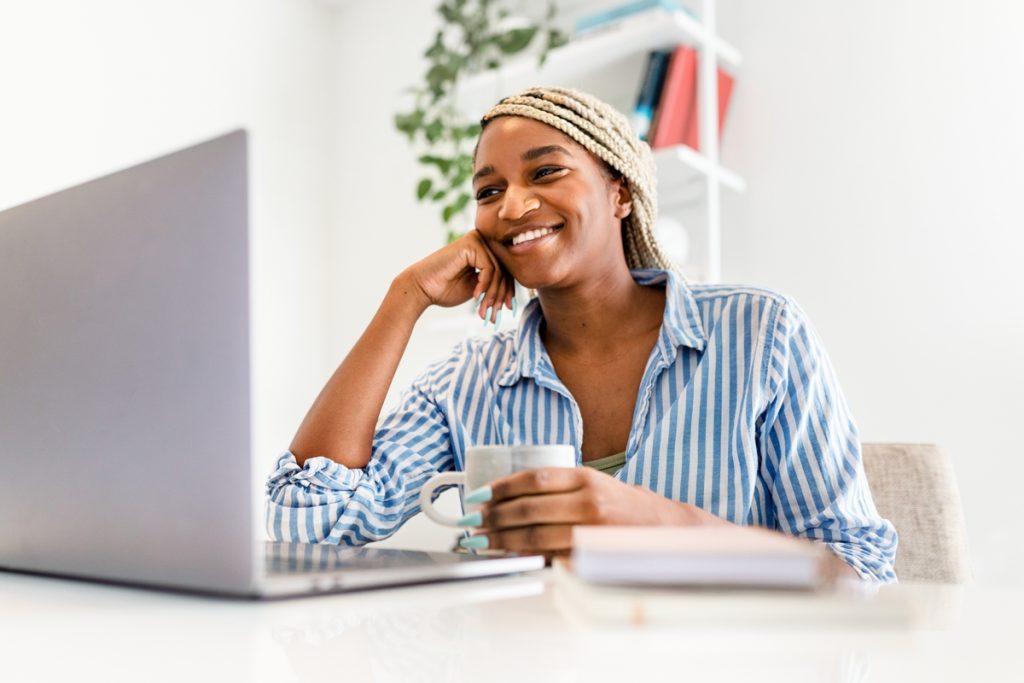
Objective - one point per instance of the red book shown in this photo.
(691, 137)
(677, 98)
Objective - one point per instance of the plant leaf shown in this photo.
(449, 13)
(434, 130)
(516, 40)
(409, 123)
(463, 170)
(423, 188)
(437, 75)
(461, 202)
(437, 49)
(442, 164)
(557, 38)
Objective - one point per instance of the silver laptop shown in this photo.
(124, 393)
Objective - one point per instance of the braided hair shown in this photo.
(604, 132)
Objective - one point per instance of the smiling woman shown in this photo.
(703, 404)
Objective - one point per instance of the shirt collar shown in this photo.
(681, 327)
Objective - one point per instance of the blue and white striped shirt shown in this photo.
(739, 413)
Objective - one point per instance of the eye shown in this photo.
(546, 172)
(486, 193)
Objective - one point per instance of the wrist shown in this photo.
(408, 296)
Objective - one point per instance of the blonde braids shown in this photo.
(604, 132)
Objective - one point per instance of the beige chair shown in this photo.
(914, 488)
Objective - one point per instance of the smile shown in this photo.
(531, 235)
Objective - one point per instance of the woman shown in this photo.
(708, 404)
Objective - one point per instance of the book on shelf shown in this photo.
(719, 555)
(692, 135)
(678, 92)
(676, 121)
(615, 14)
(650, 92)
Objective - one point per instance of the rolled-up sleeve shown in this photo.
(812, 454)
(326, 502)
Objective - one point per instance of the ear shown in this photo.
(623, 199)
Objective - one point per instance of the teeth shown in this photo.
(531, 235)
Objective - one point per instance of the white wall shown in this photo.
(91, 87)
(882, 142)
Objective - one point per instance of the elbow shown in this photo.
(352, 458)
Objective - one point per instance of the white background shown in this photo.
(881, 142)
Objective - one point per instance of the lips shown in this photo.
(531, 234)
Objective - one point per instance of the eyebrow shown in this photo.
(528, 155)
(537, 152)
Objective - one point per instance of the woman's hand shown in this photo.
(534, 511)
(461, 271)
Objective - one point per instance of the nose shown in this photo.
(517, 203)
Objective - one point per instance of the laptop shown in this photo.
(125, 410)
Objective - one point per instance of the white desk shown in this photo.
(504, 629)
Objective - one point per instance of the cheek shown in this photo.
(566, 202)
(583, 201)
(484, 219)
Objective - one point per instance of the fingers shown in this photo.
(575, 507)
(499, 301)
(491, 300)
(534, 511)
(494, 285)
(551, 539)
(537, 481)
(487, 273)
(488, 278)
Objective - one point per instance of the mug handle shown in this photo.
(427, 494)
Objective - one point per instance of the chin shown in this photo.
(538, 277)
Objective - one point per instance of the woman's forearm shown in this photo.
(342, 420)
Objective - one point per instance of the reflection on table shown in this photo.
(515, 628)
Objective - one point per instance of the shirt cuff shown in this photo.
(867, 562)
(317, 475)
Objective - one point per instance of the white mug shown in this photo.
(484, 464)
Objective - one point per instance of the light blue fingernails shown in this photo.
(515, 304)
(478, 542)
(472, 519)
(480, 495)
(480, 299)
(497, 322)
(487, 316)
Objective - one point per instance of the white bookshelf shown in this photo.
(606, 62)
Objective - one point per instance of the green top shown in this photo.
(610, 464)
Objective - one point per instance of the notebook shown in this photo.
(720, 555)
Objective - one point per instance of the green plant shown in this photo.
(475, 35)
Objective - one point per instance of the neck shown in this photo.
(600, 315)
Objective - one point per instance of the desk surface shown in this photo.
(517, 628)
